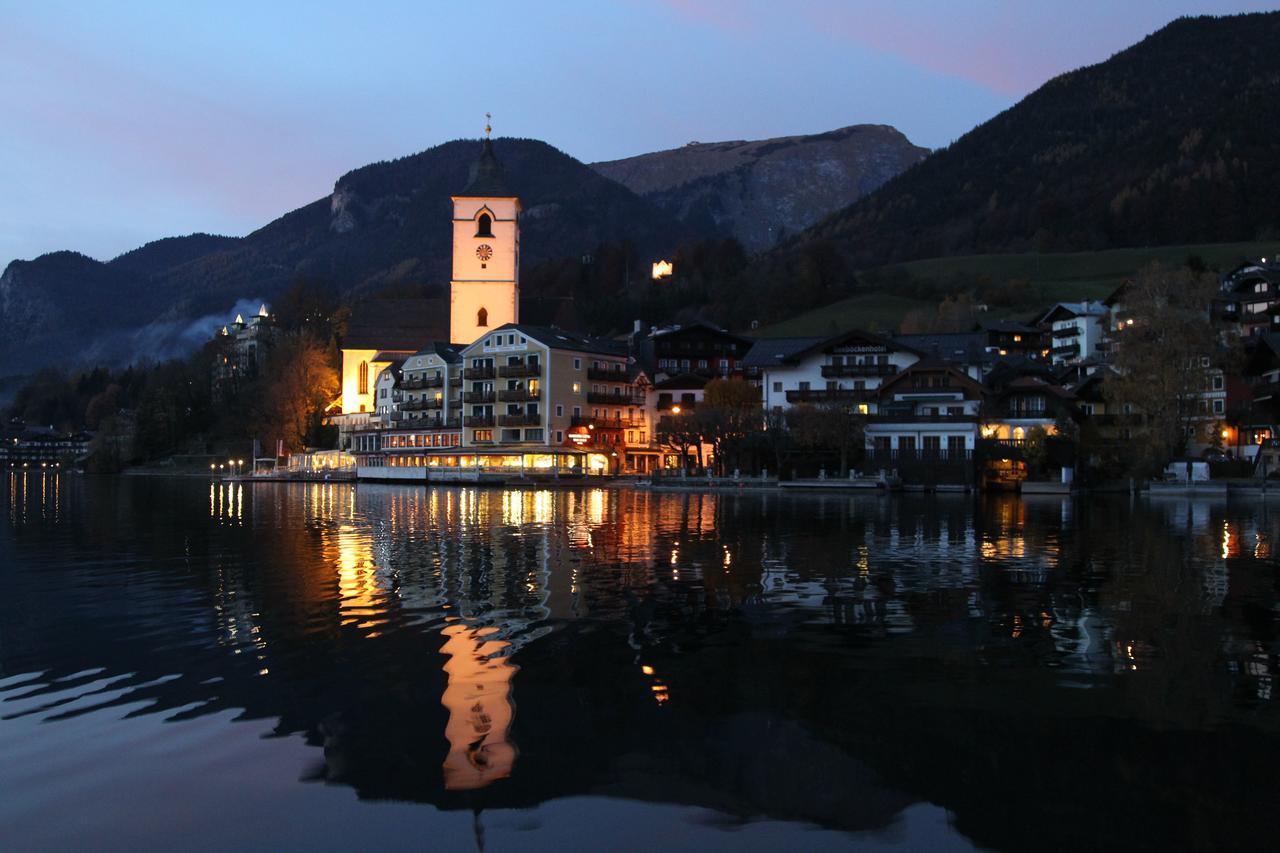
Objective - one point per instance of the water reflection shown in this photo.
(757, 654)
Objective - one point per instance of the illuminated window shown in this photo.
(484, 225)
(577, 387)
(482, 317)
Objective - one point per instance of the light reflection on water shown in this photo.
(763, 656)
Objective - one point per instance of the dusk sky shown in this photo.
(130, 121)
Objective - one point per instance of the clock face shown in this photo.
(484, 251)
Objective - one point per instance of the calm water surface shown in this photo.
(186, 665)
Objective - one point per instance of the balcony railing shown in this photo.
(1072, 348)
(829, 395)
(478, 420)
(1071, 331)
(889, 418)
(834, 371)
(606, 423)
(423, 382)
(514, 371)
(667, 405)
(603, 374)
(420, 405)
(517, 395)
(479, 373)
(614, 399)
(519, 420)
(478, 397)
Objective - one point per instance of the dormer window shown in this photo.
(482, 317)
(484, 225)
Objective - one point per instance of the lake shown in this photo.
(204, 666)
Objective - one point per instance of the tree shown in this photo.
(1159, 360)
(828, 427)
(297, 384)
(730, 411)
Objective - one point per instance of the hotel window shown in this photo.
(559, 437)
(777, 387)
(577, 387)
(577, 364)
(577, 411)
(1218, 407)
(559, 411)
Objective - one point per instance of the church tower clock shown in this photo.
(485, 290)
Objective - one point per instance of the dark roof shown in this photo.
(1034, 383)
(770, 352)
(969, 347)
(557, 338)
(397, 324)
(697, 325)
(1007, 326)
(448, 352)
(487, 179)
(395, 358)
(930, 364)
(682, 382)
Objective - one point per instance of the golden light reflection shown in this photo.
(478, 698)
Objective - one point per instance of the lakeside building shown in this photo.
(1249, 298)
(696, 349)
(846, 368)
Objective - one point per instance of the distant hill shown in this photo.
(384, 224)
(1174, 140)
(762, 191)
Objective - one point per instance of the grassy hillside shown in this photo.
(1050, 277)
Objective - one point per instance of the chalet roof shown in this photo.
(699, 325)
(682, 382)
(402, 325)
(1067, 310)
(1035, 383)
(927, 365)
(1007, 326)
(487, 179)
(770, 352)
(956, 347)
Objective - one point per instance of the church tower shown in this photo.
(485, 290)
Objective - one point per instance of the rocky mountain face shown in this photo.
(763, 191)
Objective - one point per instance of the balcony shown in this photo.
(420, 405)
(1071, 331)
(516, 371)
(832, 395)
(603, 374)
(835, 371)
(1072, 348)
(518, 395)
(478, 373)
(606, 423)
(521, 420)
(478, 397)
(667, 405)
(613, 399)
(923, 419)
(478, 421)
(422, 382)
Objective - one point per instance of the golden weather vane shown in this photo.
(487, 129)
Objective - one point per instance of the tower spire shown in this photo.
(487, 128)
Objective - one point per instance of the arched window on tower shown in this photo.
(482, 317)
(484, 225)
(362, 377)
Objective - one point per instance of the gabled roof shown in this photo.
(956, 347)
(1006, 326)
(1025, 384)
(682, 382)
(671, 331)
(770, 352)
(932, 365)
(1067, 310)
